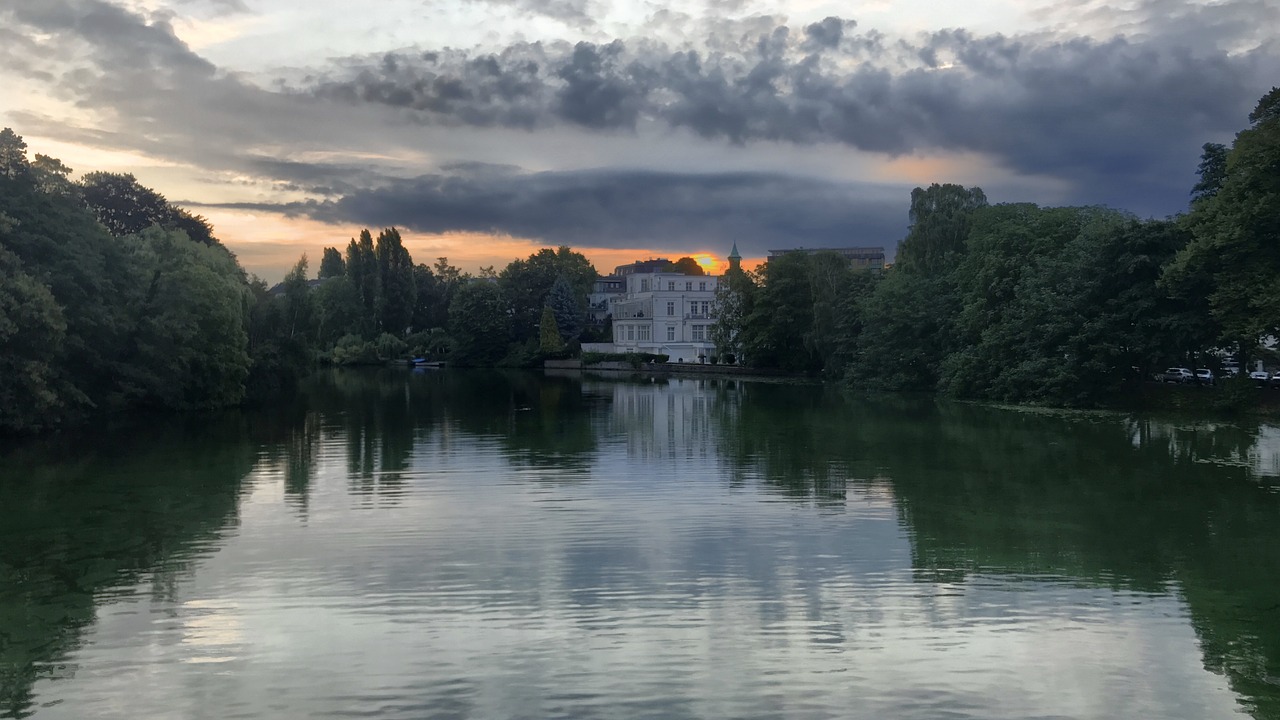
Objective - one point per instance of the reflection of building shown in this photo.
(663, 420)
(861, 258)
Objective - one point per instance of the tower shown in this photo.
(735, 260)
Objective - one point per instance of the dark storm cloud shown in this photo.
(1106, 115)
(1118, 121)
(628, 209)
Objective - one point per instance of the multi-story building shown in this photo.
(665, 313)
(607, 288)
(861, 258)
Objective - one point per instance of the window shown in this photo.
(671, 309)
(671, 332)
(631, 332)
(688, 286)
(617, 334)
(702, 286)
(698, 333)
(671, 286)
(644, 286)
(644, 332)
(706, 308)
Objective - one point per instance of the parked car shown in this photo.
(1178, 375)
(1275, 379)
(1204, 376)
(1260, 377)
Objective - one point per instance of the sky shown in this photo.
(486, 129)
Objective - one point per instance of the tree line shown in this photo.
(1020, 303)
(113, 298)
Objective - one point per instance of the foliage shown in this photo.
(526, 285)
(188, 343)
(634, 359)
(126, 207)
(549, 332)
(332, 264)
(568, 307)
(735, 299)
(1233, 251)
(479, 324)
(32, 329)
(939, 225)
(687, 266)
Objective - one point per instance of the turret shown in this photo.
(735, 260)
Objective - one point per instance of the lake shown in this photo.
(453, 544)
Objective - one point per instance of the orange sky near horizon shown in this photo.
(269, 244)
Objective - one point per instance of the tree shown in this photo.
(939, 225)
(1212, 171)
(478, 324)
(687, 266)
(331, 264)
(396, 292)
(13, 155)
(567, 308)
(189, 342)
(735, 300)
(549, 333)
(52, 177)
(1234, 234)
(362, 272)
(122, 204)
(32, 332)
(527, 283)
(907, 329)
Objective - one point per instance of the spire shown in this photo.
(735, 260)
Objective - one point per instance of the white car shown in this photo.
(1204, 376)
(1260, 376)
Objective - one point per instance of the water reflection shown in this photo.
(500, 544)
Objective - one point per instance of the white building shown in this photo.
(664, 313)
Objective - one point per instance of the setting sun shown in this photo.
(707, 261)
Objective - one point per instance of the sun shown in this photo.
(707, 261)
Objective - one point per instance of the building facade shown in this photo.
(664, 313)
(861, 258)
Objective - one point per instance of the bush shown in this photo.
(389, 347)
(632, 358)
(351, 350)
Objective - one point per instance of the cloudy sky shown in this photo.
(488, 128)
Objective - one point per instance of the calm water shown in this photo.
(503, 545)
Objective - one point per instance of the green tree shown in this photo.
(907, 329)
(126, 207)
(479, 324)
(189, 341)
(32, 331)
(568, 308)
(1212, 171)
(362, 273)
(735, 300)
(13, 155)
(548, 333)
(1234, 234)
(939, 225)
(396, 292)
(332, 264)
(527, 283)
